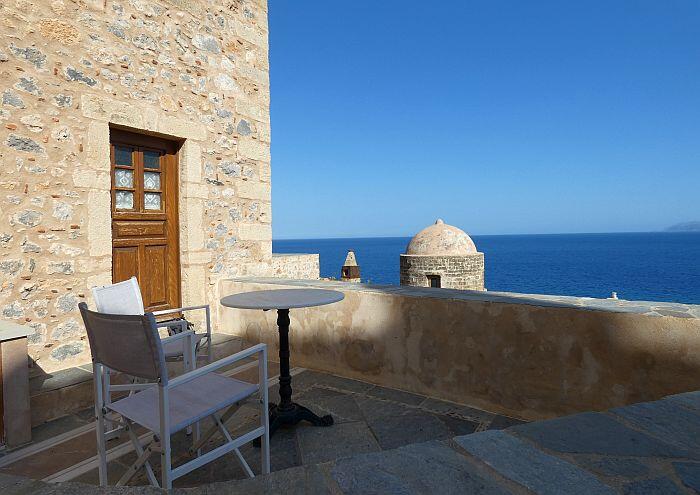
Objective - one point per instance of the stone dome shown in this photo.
(441, 239)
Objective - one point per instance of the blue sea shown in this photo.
(661, 266)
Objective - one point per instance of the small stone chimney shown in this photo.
(350, 271)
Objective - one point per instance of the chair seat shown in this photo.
(189, 402)
(176, 349)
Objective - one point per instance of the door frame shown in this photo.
(172, 197)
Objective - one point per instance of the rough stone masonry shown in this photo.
(191, 70)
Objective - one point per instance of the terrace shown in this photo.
(432, 391)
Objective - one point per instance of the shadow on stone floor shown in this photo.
(368, 418)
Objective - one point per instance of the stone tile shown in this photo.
(614, 466)
(11, 485)
(690, 400)
(373, 409)
(57, 458)
(58, 427)
(439, 406)
(322, 401)
(273, 392)
(466, 412)
(457, 426)
(503, 422)
(521, 462)
(87, 414)
(341, 440)
(283, 455)
(665, 420)
(595, 433)
(689, 473)
(74, 488)
(309, 480)
(394, 425)
(308, 379)
(395, 395)
(224, 468)
(658, 486)
(430, 467)
(409, 428)
(115, 470)
(284, 450)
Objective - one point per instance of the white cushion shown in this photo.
(123, 298)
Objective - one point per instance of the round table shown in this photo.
(286, 412)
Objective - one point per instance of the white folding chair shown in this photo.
(130, 344)
(124, 298)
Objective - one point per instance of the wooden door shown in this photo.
(145, 239)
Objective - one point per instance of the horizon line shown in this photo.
(488, 235)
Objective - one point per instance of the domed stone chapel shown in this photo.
(442, 256)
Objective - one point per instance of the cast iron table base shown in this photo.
(289, 417)
(288, 413)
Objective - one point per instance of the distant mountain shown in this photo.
(685, 227)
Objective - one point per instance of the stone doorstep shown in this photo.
(69, 391)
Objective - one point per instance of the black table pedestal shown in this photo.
(296, 413)
(288, 413)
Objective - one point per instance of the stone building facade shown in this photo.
(194, 72)
(297, 266)
(442, 256)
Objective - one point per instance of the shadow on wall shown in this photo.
(510, 355)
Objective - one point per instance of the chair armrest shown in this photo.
(172, 323)
(178, 310)
(178, 336)
(209, 368)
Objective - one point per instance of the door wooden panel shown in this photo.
(155, 293)
(133, 228)
(125, 262)
(145, 220)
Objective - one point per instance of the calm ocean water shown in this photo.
(643, 266)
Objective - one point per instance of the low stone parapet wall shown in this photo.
(529, 356)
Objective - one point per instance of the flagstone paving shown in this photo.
(368, 418)
(647, 448)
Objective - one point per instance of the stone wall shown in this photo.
(516, 354)
(456, 272)
(195, 71)
(296, 266)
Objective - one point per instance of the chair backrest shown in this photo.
(126, 343)
(123, 298)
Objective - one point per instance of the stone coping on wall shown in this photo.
(647, 308)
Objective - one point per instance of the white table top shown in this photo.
(282, 299)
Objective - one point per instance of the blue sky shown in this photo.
(498, 116)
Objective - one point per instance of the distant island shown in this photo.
(685, 227)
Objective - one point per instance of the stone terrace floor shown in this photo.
(368, 418)
(647, 448)
(641, 449)
(391, 442)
